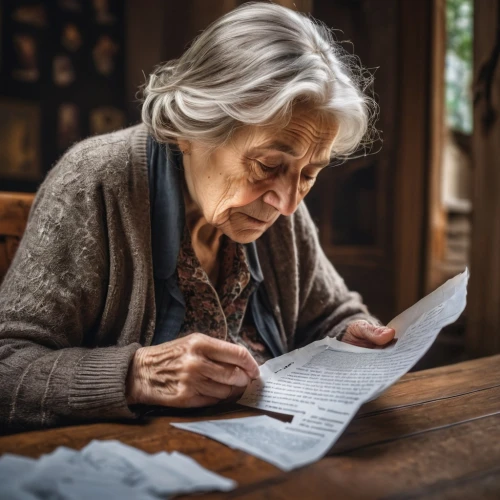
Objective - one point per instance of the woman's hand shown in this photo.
(363, 334)
(196, 370)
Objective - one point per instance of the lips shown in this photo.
(260, 221)
(257, 220)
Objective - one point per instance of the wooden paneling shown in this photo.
(300, 5)
(385, 258)
(436, 224)
(145, 34)
(483, 333)
(353, 204)
(413, 152)
(158, 31)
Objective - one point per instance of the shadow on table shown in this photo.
(373, 427)
(147, 413)
(209, 412)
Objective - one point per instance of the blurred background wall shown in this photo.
(62, 77)
(396, 223)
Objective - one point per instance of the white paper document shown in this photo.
(105, 469)
(324, 384)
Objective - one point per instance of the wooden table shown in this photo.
(434, 434)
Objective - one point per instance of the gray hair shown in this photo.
(250, 67)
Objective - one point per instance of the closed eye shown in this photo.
(267, 169)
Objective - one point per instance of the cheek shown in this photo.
(243, 194)
(303, 193)
(248, 196)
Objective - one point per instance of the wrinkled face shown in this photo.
(262, 173)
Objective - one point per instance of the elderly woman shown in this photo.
(162, 263)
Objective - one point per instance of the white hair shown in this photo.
(250, 67)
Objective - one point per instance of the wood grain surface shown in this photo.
(14, 211)
(434, 434)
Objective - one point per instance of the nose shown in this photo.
(283, 195)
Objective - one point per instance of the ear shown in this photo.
(184, 146)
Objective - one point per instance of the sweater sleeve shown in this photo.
(326, 305)
(51, 303)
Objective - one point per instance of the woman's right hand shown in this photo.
(196, 370)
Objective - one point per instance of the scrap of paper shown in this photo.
(105, 469)
(324, 384)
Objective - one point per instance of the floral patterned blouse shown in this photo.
(219, 312)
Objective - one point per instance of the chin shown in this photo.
(244, 235)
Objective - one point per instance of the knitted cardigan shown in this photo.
(78, 299)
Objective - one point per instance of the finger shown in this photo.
(359, 342)
(380, 335)
(232, 354)
(363, 334)
(211, 389)
(236, 393)
(392, 342)
(224, 373)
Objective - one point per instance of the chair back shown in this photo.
(14, 211)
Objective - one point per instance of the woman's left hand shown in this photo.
(363, 334)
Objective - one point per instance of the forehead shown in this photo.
(306, 132)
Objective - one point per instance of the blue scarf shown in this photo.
(167, 228)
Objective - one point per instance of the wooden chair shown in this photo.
(14, 211)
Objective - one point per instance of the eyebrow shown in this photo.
(283, 147)
(287, 149)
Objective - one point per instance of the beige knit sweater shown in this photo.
(78, 300)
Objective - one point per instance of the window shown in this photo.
(458, 70)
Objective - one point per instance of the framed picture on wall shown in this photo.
(68, 125)
(25, 67)
(62, 78)
(20, 157)
(104, 54)
(71, 5)
(33, 15)
(103, 12)
(106, 119)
